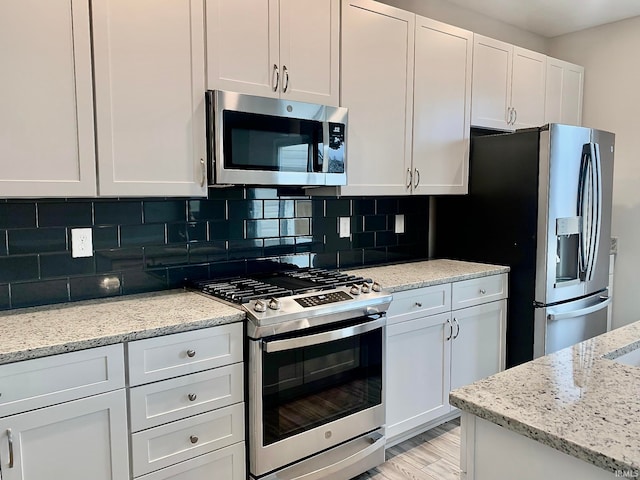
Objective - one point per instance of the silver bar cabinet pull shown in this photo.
(276, 73)
(10, 440)
(410, 177)
(417, 179)
(203, 179)
(285, 72)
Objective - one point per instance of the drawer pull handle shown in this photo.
(191, 353)
(455, 322)
(10, 440)
(193, 439)
(419, 304)
(192, 397)
(450, 331)
(483, 291)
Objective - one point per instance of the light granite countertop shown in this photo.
(577, 400)
(407, 276)
(48, 330)
(41, 331)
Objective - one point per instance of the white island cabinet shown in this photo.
(286, 49)
(64, 417)
(438, 338)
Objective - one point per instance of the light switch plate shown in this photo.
(344, 228)
(399, 224)
(81, 242)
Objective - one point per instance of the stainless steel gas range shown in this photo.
(316, 355)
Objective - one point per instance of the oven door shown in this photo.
(314, 390)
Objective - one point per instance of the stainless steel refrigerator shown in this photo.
(539, 201)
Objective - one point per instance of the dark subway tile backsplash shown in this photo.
(152, 244)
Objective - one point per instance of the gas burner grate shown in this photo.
(241, 290)
(281, 284)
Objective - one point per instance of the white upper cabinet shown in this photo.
(46, 102)
(149, 91)
(528, 82)
(508, 85)
(564, 92)
(441, 108)
(377, 88)
(283, 48)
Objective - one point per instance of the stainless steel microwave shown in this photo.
(267, 141)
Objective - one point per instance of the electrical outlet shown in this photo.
(399, 224)
(344, 229)
(81, 242)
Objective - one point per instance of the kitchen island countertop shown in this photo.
(577, 401)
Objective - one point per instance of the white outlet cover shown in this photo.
(81, 242)
(399, 224)
(344, 228)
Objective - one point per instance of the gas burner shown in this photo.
(241, 290)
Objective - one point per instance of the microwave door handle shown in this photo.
(271, 346)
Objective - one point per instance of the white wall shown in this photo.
(452, 14)
(609, 54)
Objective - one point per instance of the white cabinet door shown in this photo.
(46, 100)
(225, 464)
(478, 345)
(491, 97)
(377, 87)
(283, 48)
(243, 46)
(149, 88)
(310, 50)
(442, 104)
(78, 440)
(418, 366)
(528, 88)
(563, 92)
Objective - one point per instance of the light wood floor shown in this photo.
(433, 455)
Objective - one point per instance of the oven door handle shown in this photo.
(271, 346)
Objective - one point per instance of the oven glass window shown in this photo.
(310, 386)
(264, 142)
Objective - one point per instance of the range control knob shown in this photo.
(260, 306)
(355, 290)
(376, 287)
(274, 304)
(365, 288)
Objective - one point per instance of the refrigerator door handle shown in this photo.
(581, 211)
(581, 312)
(596, 199)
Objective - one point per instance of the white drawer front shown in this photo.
(419, 303)
(169, 356)
(162, 402)
(46, 381)
(225, 464)
(479, 290)
(175, 442)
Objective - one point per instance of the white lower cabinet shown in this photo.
(432, 349)
(84, 436)
(478, 342)
(186, 405)
(227, 463)
(418, 364)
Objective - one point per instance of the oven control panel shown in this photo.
(323, 299)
